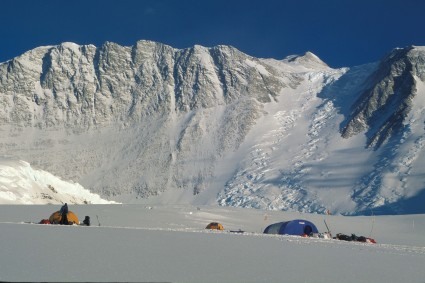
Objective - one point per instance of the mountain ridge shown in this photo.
(215, 125)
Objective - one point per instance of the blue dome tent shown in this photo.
(296, 227)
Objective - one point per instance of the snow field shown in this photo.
(169, 243)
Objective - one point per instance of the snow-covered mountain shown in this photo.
(150, 123)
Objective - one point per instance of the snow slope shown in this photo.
(169, 244)
(21, 184)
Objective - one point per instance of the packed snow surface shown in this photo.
(170, 244)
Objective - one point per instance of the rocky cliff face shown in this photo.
(83, 86)
(385, 103)
(68, 89)
(216, 125)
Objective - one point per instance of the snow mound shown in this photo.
(22, 184)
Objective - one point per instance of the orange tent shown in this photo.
(215, 226)
(56, 217)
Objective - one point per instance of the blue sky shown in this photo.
(341, 32)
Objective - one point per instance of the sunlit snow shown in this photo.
(170, 244)
(22, 184)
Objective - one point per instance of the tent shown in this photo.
(215, 226)
(56, 217)
(296, 227)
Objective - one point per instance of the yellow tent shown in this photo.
(56, 217)
(215, 226)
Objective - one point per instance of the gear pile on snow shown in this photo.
(65, 217)
(354, 238)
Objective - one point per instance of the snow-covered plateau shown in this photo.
(137, 243)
